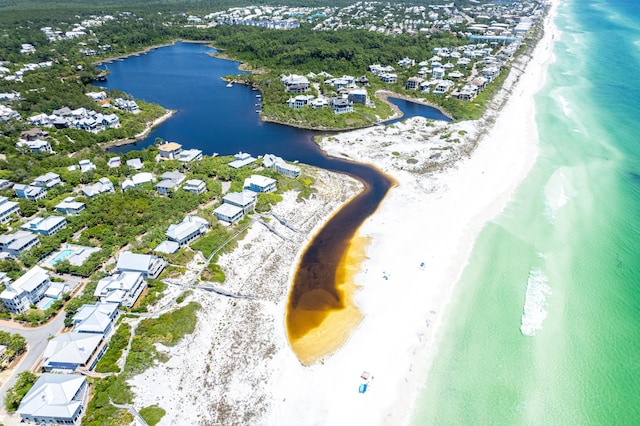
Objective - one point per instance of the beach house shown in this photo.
(340, 105)
(135, 163)
(280, 166)
(246, 200)
(70, 206)
(188, 155)
(46, 226)
(121, 288)
(73, 350)
(33, 134)
(29, 192)
(86, 165)
(148, 265)
(55, 399)
(27, 290)
(228, 213)
(7, 208)
(413, 83)
(295, 83)
(188, 230)
(103, 185)
(47, 180)
(169, 151)
(241, 159)
(170, 181)
(97, 318)
(259, 183)
(17, 242)
(358, 96)
(113, 162)
(195, 186)
(37, 145)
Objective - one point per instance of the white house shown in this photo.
(113, 162)
(246, 200)
(86, 165)
(148, 265)
(16, 243)
(122, 288)
(103, 185)
(69, 351)
(70, 206)
(135, 163)
(95, 318)
(241, 159)
(47, 180)
(228, 213)
(46, 226)
(259, 183)
(169, 150)
(37, 145)
(27, 290)
(29, 192)
(276, 163)
(195, 186)
(170, 181)
(55, 399)
(7, 208)
(188, 155)
(188, 230)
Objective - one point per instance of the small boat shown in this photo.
(254, 88)
(258, 96)
(230, 84)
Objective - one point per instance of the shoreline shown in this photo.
(138, 137)
(420, 239)
(147, 50)
(396, 340)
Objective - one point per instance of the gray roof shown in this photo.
(168, 247)
(71, 348)
(31, 279)
(53, 396)
(175, 176)
(240, 199)
(189, 225)
(128, 261)
(94, 318)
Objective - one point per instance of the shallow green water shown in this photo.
(545, 324)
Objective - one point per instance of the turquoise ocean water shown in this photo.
(545, 324)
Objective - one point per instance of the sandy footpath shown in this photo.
(237, 367)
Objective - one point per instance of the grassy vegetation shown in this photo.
(183, 296)
(117, 345)
(167, 329)
(152, 414)
(14, 396)
(154, 291)
(214, 273)
(216, 236)
(100, 411)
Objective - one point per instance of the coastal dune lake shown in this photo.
(215, 118)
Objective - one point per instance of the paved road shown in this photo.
(37, 339)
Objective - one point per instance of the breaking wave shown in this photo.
(534, 303)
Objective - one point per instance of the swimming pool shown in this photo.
(48, 304)
(61, 256)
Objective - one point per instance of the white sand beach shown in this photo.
(237, 367)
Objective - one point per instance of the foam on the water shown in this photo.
(565, 106)
(557, 192)
(534, 303)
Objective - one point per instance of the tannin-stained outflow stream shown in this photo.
(320, 312)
